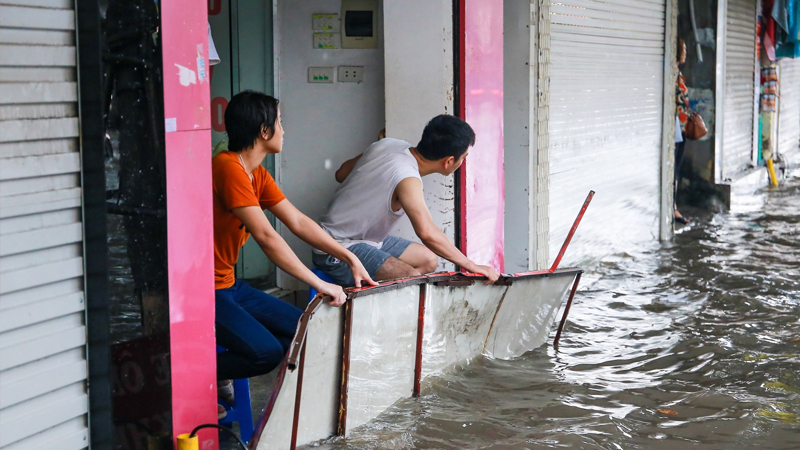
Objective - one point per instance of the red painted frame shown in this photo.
(190, 228)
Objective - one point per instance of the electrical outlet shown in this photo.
(351, 74)
(320, 74)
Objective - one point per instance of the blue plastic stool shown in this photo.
(240, 411)
(322, 276)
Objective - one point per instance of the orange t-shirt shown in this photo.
(233, 189)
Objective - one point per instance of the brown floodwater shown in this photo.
(695, 344)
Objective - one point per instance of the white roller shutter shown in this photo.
(43, 369)
(606, 107)
(739, 102)
(789, 116)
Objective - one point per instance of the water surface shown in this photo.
(691, 345)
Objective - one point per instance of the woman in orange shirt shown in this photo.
(255, 327)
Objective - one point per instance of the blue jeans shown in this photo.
(372, 258)
(256, 329)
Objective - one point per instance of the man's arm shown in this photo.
(345, 169)
(311, 233)
(279, 252)
(410, 195)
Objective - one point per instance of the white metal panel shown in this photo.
(43, 371)
(277, 433)
(322, 375)
(457, 322)
(789, 116)
(526, 314)
(382, 353)
(605, 107)
(738, 111)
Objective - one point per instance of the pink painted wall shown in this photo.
(189, 217)
(483, 101)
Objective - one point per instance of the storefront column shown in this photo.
(189, 216)
(481, 182)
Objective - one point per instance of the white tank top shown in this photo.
(361, 210)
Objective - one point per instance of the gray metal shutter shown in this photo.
(606, 107)
(789, 116)
(739, 102)
(43, 369)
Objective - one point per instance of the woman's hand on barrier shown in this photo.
(334, 294)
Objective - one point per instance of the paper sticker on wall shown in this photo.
(171, 125)
(186, 76)
(201, 63)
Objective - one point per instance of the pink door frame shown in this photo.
(481, 178)
(190, 229)
(189, 214)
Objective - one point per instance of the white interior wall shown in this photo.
(325, 124)
(520, 133)
(419, 86)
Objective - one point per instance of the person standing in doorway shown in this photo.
(681, 118)
(254, 327)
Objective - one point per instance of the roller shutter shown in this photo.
(43, 369)
(606, 107)
(739, 102)
(789, 116)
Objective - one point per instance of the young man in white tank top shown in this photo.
(382, 184)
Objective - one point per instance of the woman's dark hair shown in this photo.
(445, 136)
(247, 115)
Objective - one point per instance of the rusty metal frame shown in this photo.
(566, 309)
(420, 329)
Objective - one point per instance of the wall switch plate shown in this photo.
(320, 74)
(351, 74)
(326, 41)
(327, 23)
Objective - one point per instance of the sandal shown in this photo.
(221, 413)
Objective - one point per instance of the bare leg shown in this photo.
(420, 258)
(394, 268)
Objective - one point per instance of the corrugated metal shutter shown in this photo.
(43, 369)
(606, 107)
(740, 97)
(789, 116)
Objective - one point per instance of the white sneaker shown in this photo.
(225, 391)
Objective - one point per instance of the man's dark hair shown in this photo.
(247, 114)
(445, 136)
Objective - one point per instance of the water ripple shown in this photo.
(693, 344)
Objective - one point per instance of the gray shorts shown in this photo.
(371, 257)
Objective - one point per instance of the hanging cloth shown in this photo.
(787, 43)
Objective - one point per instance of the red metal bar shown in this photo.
(572, 232)
(420, 328)
(461, 111)
(566, 310)
(301, 332)
(348, 325)
(297, 396)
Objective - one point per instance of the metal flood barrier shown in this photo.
(347, 365)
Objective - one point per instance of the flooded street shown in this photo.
(691, 345)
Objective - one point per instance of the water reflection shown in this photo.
(137, 225)
(695, 344)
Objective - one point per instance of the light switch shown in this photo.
(327, 40)
(320, 74)
(351, 74)
(328, 23)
